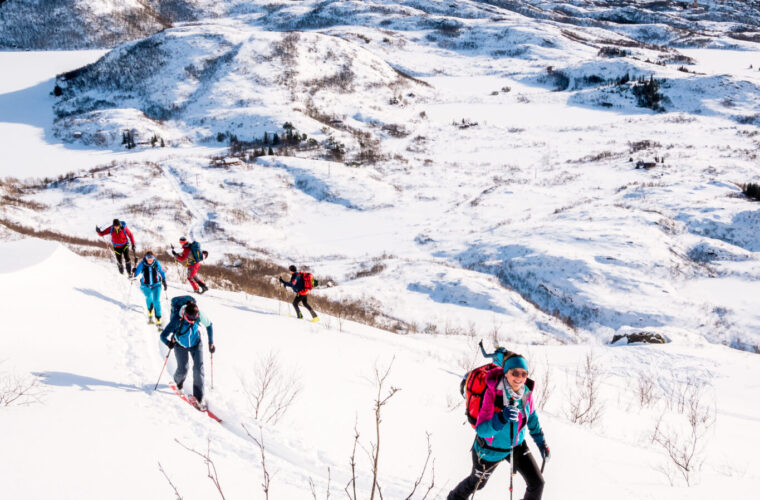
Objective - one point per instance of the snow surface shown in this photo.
(98, 430)
(502, 208)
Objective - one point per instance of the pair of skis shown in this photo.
(190, 399)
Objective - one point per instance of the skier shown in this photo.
(193, 264)
(501, 434)
(121, 237)
(152, 276)
(301, 283)
(183, 328)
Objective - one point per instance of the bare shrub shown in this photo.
(272, 389)
(380, 401)
(585, 406)
(177, 496)
(210, 467)
(646, 390)
(683, 433)
(17, 390)
(266, 484)
(545, 386)
(327, 489)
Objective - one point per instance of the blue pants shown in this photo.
(152, 298)
(181, 355)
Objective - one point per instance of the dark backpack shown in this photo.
(177, 303)
(195, 251)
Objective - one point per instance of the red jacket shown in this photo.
(119, 238)
(186, 255)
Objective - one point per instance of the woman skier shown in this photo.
(152, 276)
(501, 435)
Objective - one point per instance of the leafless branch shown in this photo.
(260, 443)
(352, 462)
(272, 390)
(18, 390)
(314, 489)
(683, 444)
(176, 492)
(381, 401)
(419, 479)
(585, 406)
(210, 467)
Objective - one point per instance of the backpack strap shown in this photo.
(483, 444)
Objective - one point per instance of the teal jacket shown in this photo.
(495, 437)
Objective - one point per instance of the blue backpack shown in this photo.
(123, 226)
(177, 303)
(195, 251)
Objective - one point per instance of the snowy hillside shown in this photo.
(93, 423)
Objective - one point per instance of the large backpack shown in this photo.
(307, 281)
(195, 251)
(177, 303)
(473, 387)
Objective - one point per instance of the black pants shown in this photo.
(120, 252)
(181, 354)
(302, 298)
(482, 470)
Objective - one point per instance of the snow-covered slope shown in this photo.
(96, 427)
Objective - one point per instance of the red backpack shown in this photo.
(472, 387)
(308, 281)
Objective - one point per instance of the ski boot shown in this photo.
(158, 322)
(315, 319)
(204, 289)
(150, 318)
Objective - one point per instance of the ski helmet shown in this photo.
(182, 240)
(293, 269)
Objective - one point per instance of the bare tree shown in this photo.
(585, 406)
(210, 467)
(260, 443)
(646, 389)
(684, 444)
(352, 462)
(176, 492)
(420, 478)
(18, 390)
(544, 382)
(314, 490)
(272, 389)
(380, 401)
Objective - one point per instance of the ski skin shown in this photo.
(192, 402)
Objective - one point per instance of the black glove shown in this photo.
(211, 348)
(281, 280)
(546, 454)
(164, 283)
(97, 229)
(171, 343)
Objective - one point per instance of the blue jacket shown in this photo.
(150, 273)
(187, 334)
(492, 442)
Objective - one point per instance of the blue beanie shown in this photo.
(515, 362)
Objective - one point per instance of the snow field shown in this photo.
(98, 422)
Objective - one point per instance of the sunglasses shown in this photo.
(518, 373)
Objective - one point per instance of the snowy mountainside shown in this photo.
(93, 407)
(201, 79)
(495, 190)
(82, 24)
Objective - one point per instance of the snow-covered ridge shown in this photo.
(192, 82)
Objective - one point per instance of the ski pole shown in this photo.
(511, 452)
(164, 366)
(212, 370)
(543, 462)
